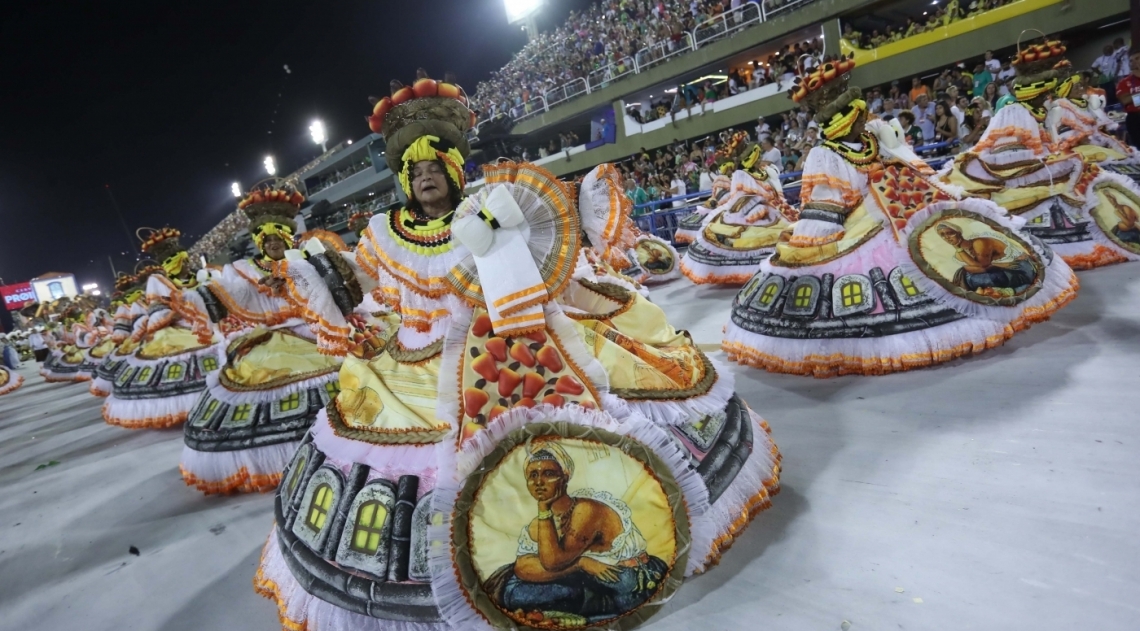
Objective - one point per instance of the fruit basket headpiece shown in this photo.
(1035, 64)
(428, 120)
(825, 90)
(270, 207)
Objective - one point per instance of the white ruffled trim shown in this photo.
(14, 382)
(217, 466)
(454, 352)
(312, 613)
(449, 595)
(705, 274)
(387, 461)
(733, 502)
(100, 387)
(687, 410)
(235, 397)
(137, 412)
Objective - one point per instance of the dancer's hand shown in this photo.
(601, 571)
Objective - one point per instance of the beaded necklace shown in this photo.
(264, 268)
(421, 234)
(862, 157)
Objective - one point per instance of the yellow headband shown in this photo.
(173, 265)
(841, 123)
(275, 229)
(423, 150)
(752, 157)
(1033, 90)
(1066, 87)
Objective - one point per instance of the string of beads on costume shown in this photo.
(862, 157)
(420, 234)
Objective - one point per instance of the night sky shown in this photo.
(167, 103)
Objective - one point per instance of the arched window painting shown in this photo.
(319, 510)
(369, 527)
(803, 296)
(852, 294)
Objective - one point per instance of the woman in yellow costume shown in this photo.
(166, 369)
(871, 280)
(743, 230)
(276, 370)
(1057, 188)
(129, 312)
(95, 342)
(1077, 122)
(395, 512)
(9, 381)
(690, 225)
(66, 358)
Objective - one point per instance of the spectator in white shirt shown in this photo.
(771, 154)
(706, 181)
(924, 116)
(677, 187)
(992, 63)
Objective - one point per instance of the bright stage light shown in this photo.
(90, 286)
(235, 188)
(317, 130)
(270, 165)
(518, 10)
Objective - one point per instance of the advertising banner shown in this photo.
(17, 296)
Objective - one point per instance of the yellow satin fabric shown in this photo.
(279, 356)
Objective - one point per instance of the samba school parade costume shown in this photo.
(618, 248)
(276, 374)
(95, 342)
(1086, 214)
(742, 231)
(9, 380)
(165, 361)
(886, 270)
(65, 358)
(1077, 121)
(531, 449)
(690, 225)
(130, 314)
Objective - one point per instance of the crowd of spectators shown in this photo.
(780, 67)
(953, 11)
(605, 38)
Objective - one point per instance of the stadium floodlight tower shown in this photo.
(523, 12)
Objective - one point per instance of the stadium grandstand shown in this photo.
(656, 87)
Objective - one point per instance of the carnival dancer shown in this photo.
(128, 291)
(619, 250)
(1081, 211)
(690, 225)
(164, 375)
(95, 342)
(886, 270)
(1077, 122)
(743, 231)
(65, 358)
(513, 398)
(277, 371)
(9, 361)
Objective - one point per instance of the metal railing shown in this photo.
(531, 108)
(727, 23)
(565, 92)
(606, 75)
(652, 55)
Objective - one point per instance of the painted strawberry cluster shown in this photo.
(501, 373)
(902, 191)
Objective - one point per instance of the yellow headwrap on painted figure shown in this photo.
(1030, 91)
(840, 124)
(427, 148)
(275, 229)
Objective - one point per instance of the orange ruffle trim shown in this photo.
(826, 366)
(240, 482)
(728, 279)
(76, 379)
(269, 589)
(1099, 257)
(156, 422)
(96, 391)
